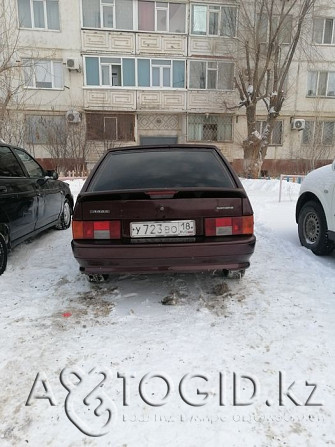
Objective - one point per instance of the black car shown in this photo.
(31, 199)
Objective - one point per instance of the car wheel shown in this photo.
(312, 229)
(3, 254)
(65, 217)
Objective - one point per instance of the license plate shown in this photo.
(162, 229)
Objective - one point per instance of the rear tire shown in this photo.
(3, 254)
(65, 217)
(312, 229)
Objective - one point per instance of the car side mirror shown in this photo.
(47, 176)
(52, 174)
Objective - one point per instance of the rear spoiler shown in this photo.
(177, 193)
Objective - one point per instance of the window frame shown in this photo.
(110, 66)
(166, 9)
(35, 127)
(324, 20)
(212, 9)
(96, 126)
(101, 18)
(316, 94)
(265, 27)
(45, 16)
(260, 124)
(135, 16)
(161, 67)
(156, 10)
(153, 63)
(210, 122)
(208, 70)
(32, 67)
(319, 138)
(104, 4)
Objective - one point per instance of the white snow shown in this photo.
(250, 89)
(256, 134)
(277, 320)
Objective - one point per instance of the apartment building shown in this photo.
(120, 72)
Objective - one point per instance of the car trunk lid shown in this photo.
(162, 206)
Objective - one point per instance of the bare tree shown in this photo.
(269, 33)
(13, 95)
(65, 142)
(77, 146)
(9, 65)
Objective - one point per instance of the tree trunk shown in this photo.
(256, 145)
(252, 145)
(253, 160)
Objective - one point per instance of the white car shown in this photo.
(315, 210)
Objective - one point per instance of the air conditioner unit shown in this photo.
(73, 116)
(73, 64)
(298, 124)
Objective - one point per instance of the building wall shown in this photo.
(166, 111)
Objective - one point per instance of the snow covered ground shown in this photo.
(266, 340)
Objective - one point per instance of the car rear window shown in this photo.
(171, 168)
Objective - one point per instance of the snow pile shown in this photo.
(274, 327)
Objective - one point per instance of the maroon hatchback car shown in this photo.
(178, 208)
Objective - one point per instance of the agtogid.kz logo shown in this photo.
(91, 409)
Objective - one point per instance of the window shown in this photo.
(209, 128)
(123, 72)
(284, 35)
(308, 132)
(323, 31)
(110, 127)
(171, 168)
(110, 71)
(161, 16)
(321, 83)
(45, 129)
(276, 138)
(9, 166)
(214, 20)
(114, 14)
(328, 133)
(43, 74)
(42, 14)
(161, 73)
(32, 167)
(212, 75)
(320, 132)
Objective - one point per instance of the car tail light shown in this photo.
(228, 226)
(104, 229)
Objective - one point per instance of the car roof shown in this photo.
(13, 146)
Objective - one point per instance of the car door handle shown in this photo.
(3, 189)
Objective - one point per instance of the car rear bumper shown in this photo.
(149, 258)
